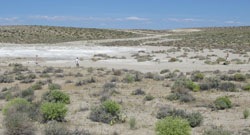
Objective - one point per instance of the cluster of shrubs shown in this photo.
(180, 90)
(25, 79)
(20, 113)
(108, 112)
(6, 79)
(87, 81)
(56, 128)
(236, 77)
(194, 119)
(222, 103)
(172, 126)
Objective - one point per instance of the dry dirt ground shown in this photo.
(98, 61)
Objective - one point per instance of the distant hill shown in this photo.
(53, 34)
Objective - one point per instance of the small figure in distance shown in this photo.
(77, 62)
(227, 56)
(36, 60)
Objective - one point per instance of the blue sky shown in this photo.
(136, 14)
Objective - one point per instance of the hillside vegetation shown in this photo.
(52, 34)
(216, 37)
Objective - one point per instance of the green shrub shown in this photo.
(192, 86)
(53, 111)
(55, 128)
(36, 86)
(246, 113)
(18, 124)
(56, 96)
(240, 77)
(217, 131)
(6, 79)
(227, 86)
(222, 103)
(148, 98)
(112, 107)
(108, 112)
(129, 79)
(138, 92)
(16, 101)
(99, 114)
(196, 76)
(210, 83)
(172, 126)
(195, 119)
(132, 123)
(173, 96)
(54, 86)
(246, 87)
(28, 94)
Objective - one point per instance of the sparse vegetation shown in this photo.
(53, 111)
(172, 126)
(222, 103)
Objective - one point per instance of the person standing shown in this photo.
(77, 62)
(36, 60)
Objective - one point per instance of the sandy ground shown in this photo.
(63, 55)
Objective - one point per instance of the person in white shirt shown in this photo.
(77, 62)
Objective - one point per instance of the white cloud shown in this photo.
(134, 18)
(8, 19)
(68, 18)
(232, 22)
(183, 20)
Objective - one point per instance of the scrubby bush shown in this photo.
(246, 87)
(6, 79)
(192, 86)
(227, 86)
(36, 86)
(195, 119)
(20, 77)
(18, 124)
(109, 85)
(164, 71)
(112, 107)
(28, 94)
(217, 131)
(53, 111)
(108, 112)
(48, 70)
(132, 123)
(138, 92)
(186, 98)
(56, 96)
(240, 77)
(172, 126)
(27, 80)
(55, 128)
(148, 97)
(16, 101)
(173, 96)
(19, 68)
(99, 114)
(197, 76)
(167, 111)
(222, 103)
(138, 76)
(54, 86)
(129, 79)
(210, 83)
(246, 113)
